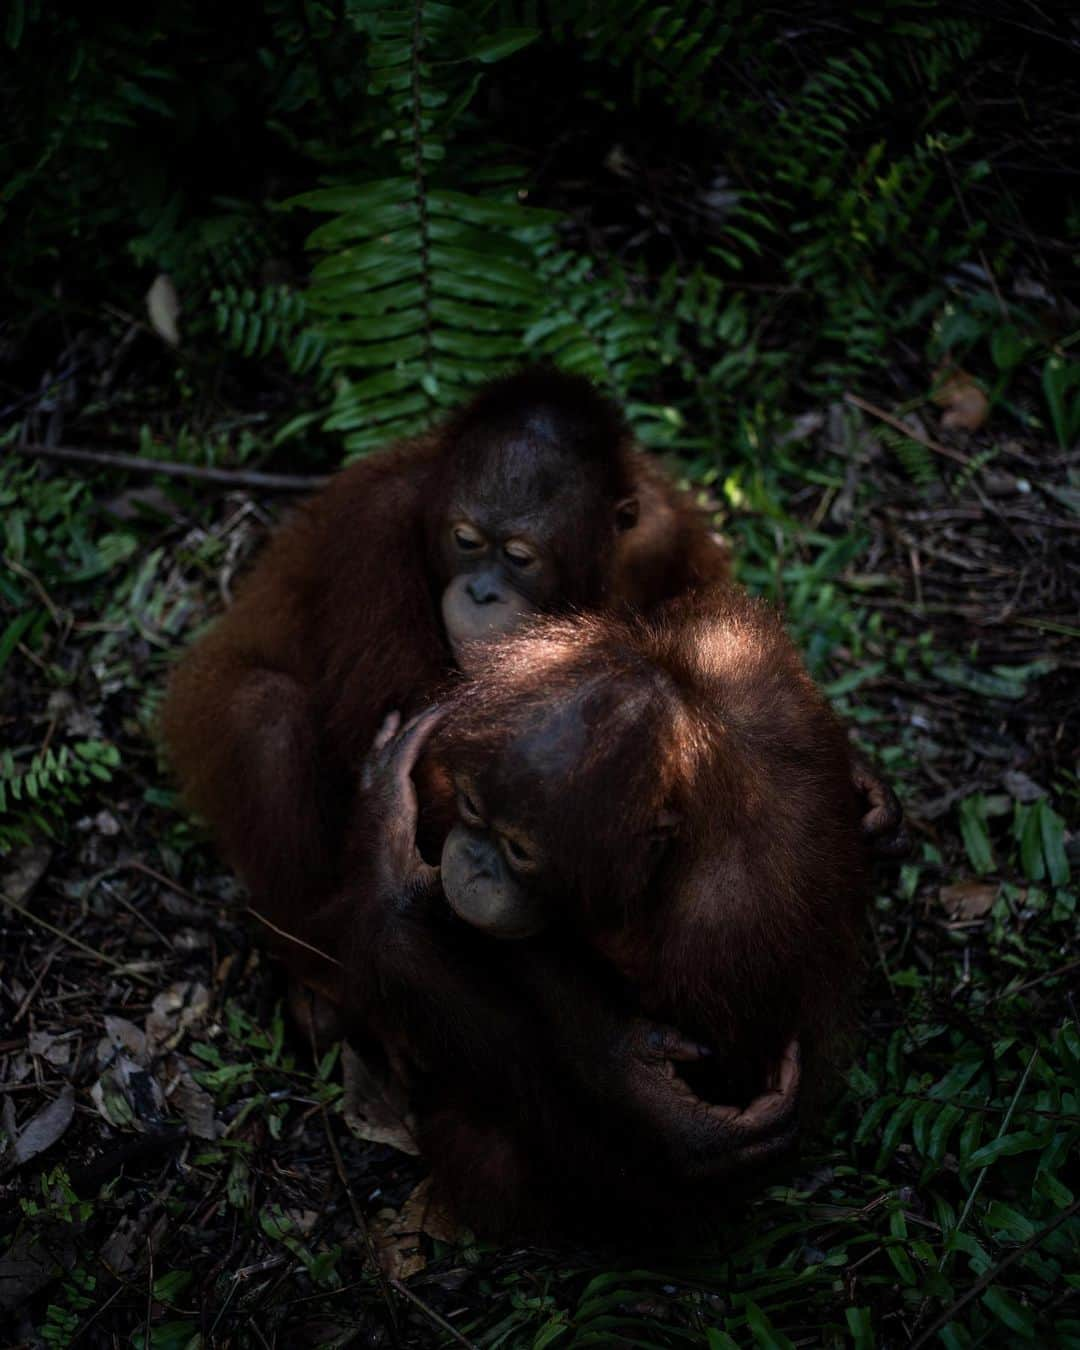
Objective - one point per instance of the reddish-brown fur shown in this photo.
(747, 931)
(268, 718)
(743, 932)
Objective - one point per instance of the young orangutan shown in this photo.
(668, 803)
(530, 499)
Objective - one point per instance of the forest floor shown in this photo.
(176, 1171)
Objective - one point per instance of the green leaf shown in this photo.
(169, 1287)
(1052, 828)
(719, 1340)
(958, 1077)
(1023, 1141)
(1031, 849)
(483, 211)
(861, 1327)
(502, 44)
(763, 1331)
(549, 1334)
(1009, 1312)
(854, 678)
(947, 1120)
(1060, 378)
(974, 833)
(982, 682)
(1003, 1218)
(9, 640)
(174, 1335)
(364, 197)
(1054, 1190)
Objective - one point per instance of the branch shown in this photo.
(271, 482)
(911, 432)
(992, 1274)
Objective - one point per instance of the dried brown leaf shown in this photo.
(193, 1102)
(32, 1263)
(121, 1036)
(125, 1250)
(163, 307)
(968, 899)
(54, 1050)
(42, 1130)
(397, 1248)
(127, 1094)
(180, 1009)
(428, 1215)
(966, 405)
(376, 1103)
(26, 868)
(396, 1236)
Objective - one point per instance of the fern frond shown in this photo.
(672, 49)
(919, 464)
(33, 793)
(422, 288)
(258, 322)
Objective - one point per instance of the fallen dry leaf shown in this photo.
(26, 868)
(41, 1131)
(176, 1011)
(134, 1240)
(54, 1050)
(121, 1035)
(32, 1262)
(376, 1103)
(966, 406)
(1021, 787)
(429, 1216)
(128, 1096)
(396, 1237)
(397, 1247)
(163, 306)
(968, 899)
(193, 1102)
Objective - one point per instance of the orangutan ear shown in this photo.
(627, 512)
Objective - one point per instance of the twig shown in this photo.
(76, 942)
(291, 937)
(21, 1010)
(259, 1268)
(984, 1281)
(102, 1307)
(55, 612)
(272, 482)
(96, 880)
(134, 865)
(432, 1315)
(1002, 1128)
(361, 1222)
(1041, 979)
(905, 430)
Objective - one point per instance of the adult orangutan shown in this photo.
(669, 804)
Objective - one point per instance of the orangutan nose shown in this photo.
(482, 591)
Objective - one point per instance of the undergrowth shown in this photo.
(728, 217)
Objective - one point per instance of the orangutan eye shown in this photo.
(467, 539)
(517, 853)
(519, 555)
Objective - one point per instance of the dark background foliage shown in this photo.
(827, 257)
